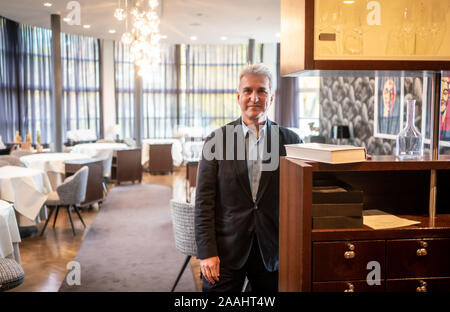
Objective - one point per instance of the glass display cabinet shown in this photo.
(371, 57)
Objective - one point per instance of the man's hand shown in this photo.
(210, 268)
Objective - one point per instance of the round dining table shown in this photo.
(52, 163)
(26, 188)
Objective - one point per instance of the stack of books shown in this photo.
(335, 205)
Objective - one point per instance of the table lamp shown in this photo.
(340, 132)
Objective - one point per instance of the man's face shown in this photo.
(254, 98)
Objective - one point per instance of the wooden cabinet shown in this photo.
(418, 258)
(363, 35)
(419, 285)
(341, 261)
(413, 258)
(94, 189)
(350, 286)
(160, 158)
(126, 166)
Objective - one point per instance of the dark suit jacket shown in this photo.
(226, 217)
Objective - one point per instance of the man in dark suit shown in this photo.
(236, 205)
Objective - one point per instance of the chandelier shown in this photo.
(144, 36)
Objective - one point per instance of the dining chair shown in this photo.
(70, 193)
(12, 160)
(183, 227)
(20, 153)
(11, 274)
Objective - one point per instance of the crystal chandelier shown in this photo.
(144, 36)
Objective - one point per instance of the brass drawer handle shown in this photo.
(422, 251)
(350, 288)
(350, 254)
(422, 286)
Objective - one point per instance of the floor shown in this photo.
(44, 258)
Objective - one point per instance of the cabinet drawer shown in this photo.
(342, 261)
(352, 286)
(418, 258)
(418, 285)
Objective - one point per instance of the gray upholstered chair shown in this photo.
(12, 160)
(11, 274)
(4, 163)
(184, 232)
(70, 193)
(20, 153)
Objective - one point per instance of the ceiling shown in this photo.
(208, 20)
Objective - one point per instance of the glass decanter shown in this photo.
(410, 140)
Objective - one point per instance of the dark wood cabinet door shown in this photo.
(126, 165)
(346, 260)
(418, 258)
(160, 158)
(419, 285)
(347, 286)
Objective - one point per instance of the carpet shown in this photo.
(130, 246)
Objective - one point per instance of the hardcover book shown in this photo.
(326, 153)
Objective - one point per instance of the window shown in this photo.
(160, 108)
(35, 60)
(124, 71)
(81, 82)
(209, 78)
(308, 99)
(194, 86)
(25, 77)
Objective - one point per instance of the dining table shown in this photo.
(9, 232)
(104, 151)
(27, 189)
(52, 163)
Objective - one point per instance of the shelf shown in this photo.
(440, 228)
(378, 163)
(300, 42)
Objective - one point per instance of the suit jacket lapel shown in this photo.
(240, 167)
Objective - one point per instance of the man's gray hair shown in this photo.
(257, 69)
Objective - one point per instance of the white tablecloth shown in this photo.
(102, 151)
(177, 150)
(9, 232)
(26, 188)
(52, 164)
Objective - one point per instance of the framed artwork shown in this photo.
(444, 139)
(445, 112)
(388, 110)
